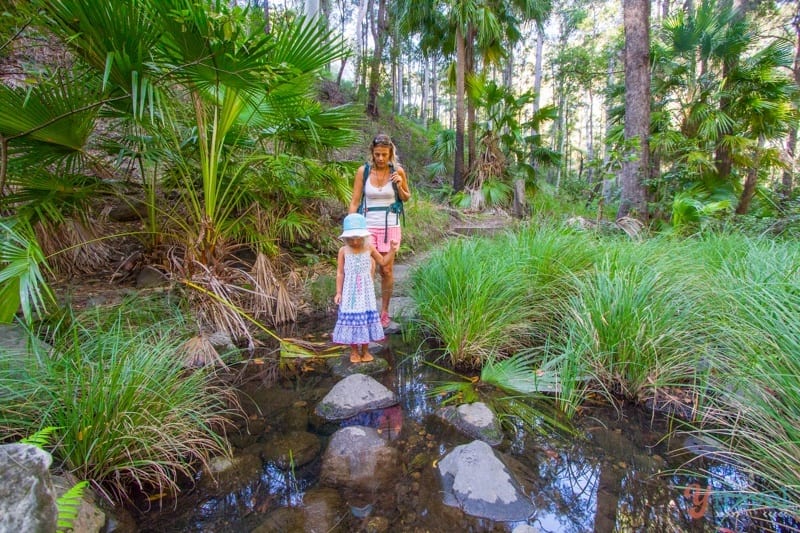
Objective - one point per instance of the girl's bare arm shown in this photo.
(339, 276)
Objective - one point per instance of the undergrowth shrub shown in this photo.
(127, 411)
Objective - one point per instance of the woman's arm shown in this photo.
(399, 177)
(358, 190)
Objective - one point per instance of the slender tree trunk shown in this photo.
(423, 108)
(508, 69)
(458, 167)
(267, 27)
(435, 87)
(787, 181)
(636, 16)
(537, 70)
(311, 9)
(608, 182)
(379, 28)
(361, 44)
(590, 139)
(751, 180)
(472, 146)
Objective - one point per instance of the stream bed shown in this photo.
(609, 474)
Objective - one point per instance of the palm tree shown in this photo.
(745, 107)
(205, 98)
(476, 31)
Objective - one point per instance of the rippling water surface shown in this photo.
(609, 475)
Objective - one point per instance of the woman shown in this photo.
(385, 179)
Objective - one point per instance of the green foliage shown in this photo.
(41, 438)
(126, 410)
(322, 290)
(690, 213)
(752, 298)
(721, 94)
(468, 299)
(426, 224)
(712, 319)
(69, 504)
(22, 281)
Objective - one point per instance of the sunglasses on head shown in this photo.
(382, 140)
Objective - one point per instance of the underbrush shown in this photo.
(127, 412)
(705, 328)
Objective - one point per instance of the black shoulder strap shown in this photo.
(394, 185)
(363, 208)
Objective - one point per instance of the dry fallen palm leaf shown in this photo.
(198, 352)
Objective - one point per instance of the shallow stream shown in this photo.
(609, 475)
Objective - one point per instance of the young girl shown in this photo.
(358, 322)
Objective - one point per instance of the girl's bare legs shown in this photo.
(355, 357)
(365, 355)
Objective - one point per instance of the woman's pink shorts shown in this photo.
(392, 233)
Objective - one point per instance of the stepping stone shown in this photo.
(475, 420)
(475, 480)
(342, 367)
(352, 395)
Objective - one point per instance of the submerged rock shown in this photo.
(292, 449)
(230, 473)
(475, 420)
(476, 480)
(322, 510)
(352, 395)
(358, 458)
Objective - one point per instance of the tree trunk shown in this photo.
(458, 170)
(751, 180)
(472, 146)
(378, 34)
(537, 71)
(423, 108)
(636, 21)
(787, 181)
(361, 44)
(311, 10)
(434, 87)
(267, 27)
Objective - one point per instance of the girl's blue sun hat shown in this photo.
(355, 225)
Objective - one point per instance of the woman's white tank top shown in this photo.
(379, 197)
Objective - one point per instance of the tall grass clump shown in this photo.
(636, 330)
(548, 256)
(468, 296)
(753, 405)
(128, 414)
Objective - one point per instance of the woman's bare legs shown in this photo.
(387, 286)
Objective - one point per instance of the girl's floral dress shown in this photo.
(358, 322)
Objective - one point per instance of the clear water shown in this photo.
(610, 475)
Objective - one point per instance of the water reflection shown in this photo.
(607, 476)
